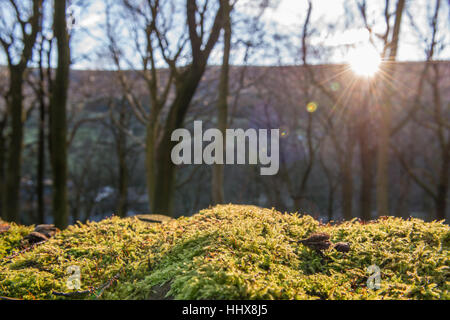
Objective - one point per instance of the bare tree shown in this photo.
(339, 128)
(433, 117)
(222, 104)
(119, 124)
(3, 136)
(18, 51)
(186, 67)
(390, 40)
(58, 123)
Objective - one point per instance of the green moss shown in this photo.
(10, 240)
(236, 252)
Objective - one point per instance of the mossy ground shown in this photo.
(231, 252)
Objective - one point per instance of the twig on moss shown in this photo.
(100, 289)
(108, 284)
(72, 294)
(9, 299)
(9, 258)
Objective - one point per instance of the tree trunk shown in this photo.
(41, 149)
(164, 169)
(309, 165)
(347, 188)
(123, 170)
(330, 205)
(2, 165)
(150, 164)
(442, 191)
(123, 188)
(164, 180)
(58, 115)
(384, 135)
(366, 157)
(222, 106)
(41, 168)
(11, 203)
(382, 179)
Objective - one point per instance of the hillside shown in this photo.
(230, 252)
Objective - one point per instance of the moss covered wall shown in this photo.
(230, 252)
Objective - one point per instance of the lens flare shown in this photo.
(335, 86)
(284, 132)
(364, 61)
(311, 107)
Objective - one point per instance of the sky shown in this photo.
(285, 17)
(291, 13)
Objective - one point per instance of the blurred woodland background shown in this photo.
(90, 92)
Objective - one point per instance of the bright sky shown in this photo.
(290, 14)
(287, 18)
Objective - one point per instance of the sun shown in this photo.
(364, 61)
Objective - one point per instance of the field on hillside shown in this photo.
(229, 252)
